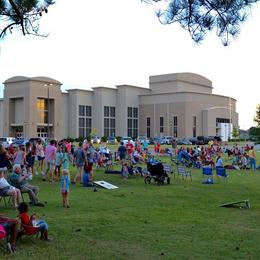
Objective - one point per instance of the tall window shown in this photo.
(194, 129)
(132, 121)
(175, 126)
(109, 121)
(148, 127)
(161, 124)
(85, 120)
(42, 111)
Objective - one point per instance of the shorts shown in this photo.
(4, 191)
(50, 165)
(40, 158)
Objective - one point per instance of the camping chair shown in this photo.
(3, 198)
(28, 230)
(221, 172)
(183, 172)
(168, 169)
(207, 174)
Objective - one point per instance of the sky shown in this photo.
(114, 42)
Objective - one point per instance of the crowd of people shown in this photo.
(53, 161)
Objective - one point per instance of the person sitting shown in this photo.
(10, 226)
(32, 221)
(8, 190)
(20, 181)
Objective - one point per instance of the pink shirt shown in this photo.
(50, 153)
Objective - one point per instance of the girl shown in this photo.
(32, 221)
(65, 188)
(58, 162)
(40, 156)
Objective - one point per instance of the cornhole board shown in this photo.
(105, 185)
(239, 204)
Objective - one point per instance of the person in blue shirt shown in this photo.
(65, 187)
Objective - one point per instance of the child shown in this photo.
(32, 221)
(65, 187)
(125, 172)
(58, 162)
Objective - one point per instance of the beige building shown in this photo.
(179, 105)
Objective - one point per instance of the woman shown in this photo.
(7, 190)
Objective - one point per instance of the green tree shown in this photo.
(235, 132)
(201, 16)
(23, 15)
(94, 132)
(257, 120)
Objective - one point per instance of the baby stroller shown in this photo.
(156, 173)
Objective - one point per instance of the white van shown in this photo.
(6, 141)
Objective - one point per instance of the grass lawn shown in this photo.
(182, 220)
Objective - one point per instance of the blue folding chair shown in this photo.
(207, 175)
(221, 172)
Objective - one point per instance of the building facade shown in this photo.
(178, 104)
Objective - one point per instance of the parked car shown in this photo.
(158, 139)
(184, 141)
(6, 141)
(21, 141)
(142, 139)
(96, 140)
(167, 139)
(126, 139)
(111, 140)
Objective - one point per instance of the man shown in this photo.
(79, 160)
(122, 151)
(19, 180)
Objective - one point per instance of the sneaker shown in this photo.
(36, 173)
(9, 248)
(39, 204)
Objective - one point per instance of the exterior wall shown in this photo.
(65, 119)
(29, 90)
(103, 97)
(180, 82)
(75, 98)
(184, 95)
(185, 105)
(127, 96)
(1, 117)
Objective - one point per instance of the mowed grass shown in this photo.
(182, 220)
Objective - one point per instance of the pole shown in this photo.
(48, 106)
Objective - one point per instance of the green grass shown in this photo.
(182, 220)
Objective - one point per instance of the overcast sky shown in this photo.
(112, 42)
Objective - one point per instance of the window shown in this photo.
(148, 127)
(161, 125)
(109, 121)
(223, 120)
(175, 126)
(132, 122)
(42, 111)
(194, 129)
(85, 120)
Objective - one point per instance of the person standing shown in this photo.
(79, 160)
(40, 156)
(252, 158)
(65, 188)
(121, 151)
(50, 156)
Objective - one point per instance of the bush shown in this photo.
(119, 138)
(103, 139)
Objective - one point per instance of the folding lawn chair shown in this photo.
(183, 172)
(207, 174)
(221, 172)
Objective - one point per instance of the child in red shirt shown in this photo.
(32, 221)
